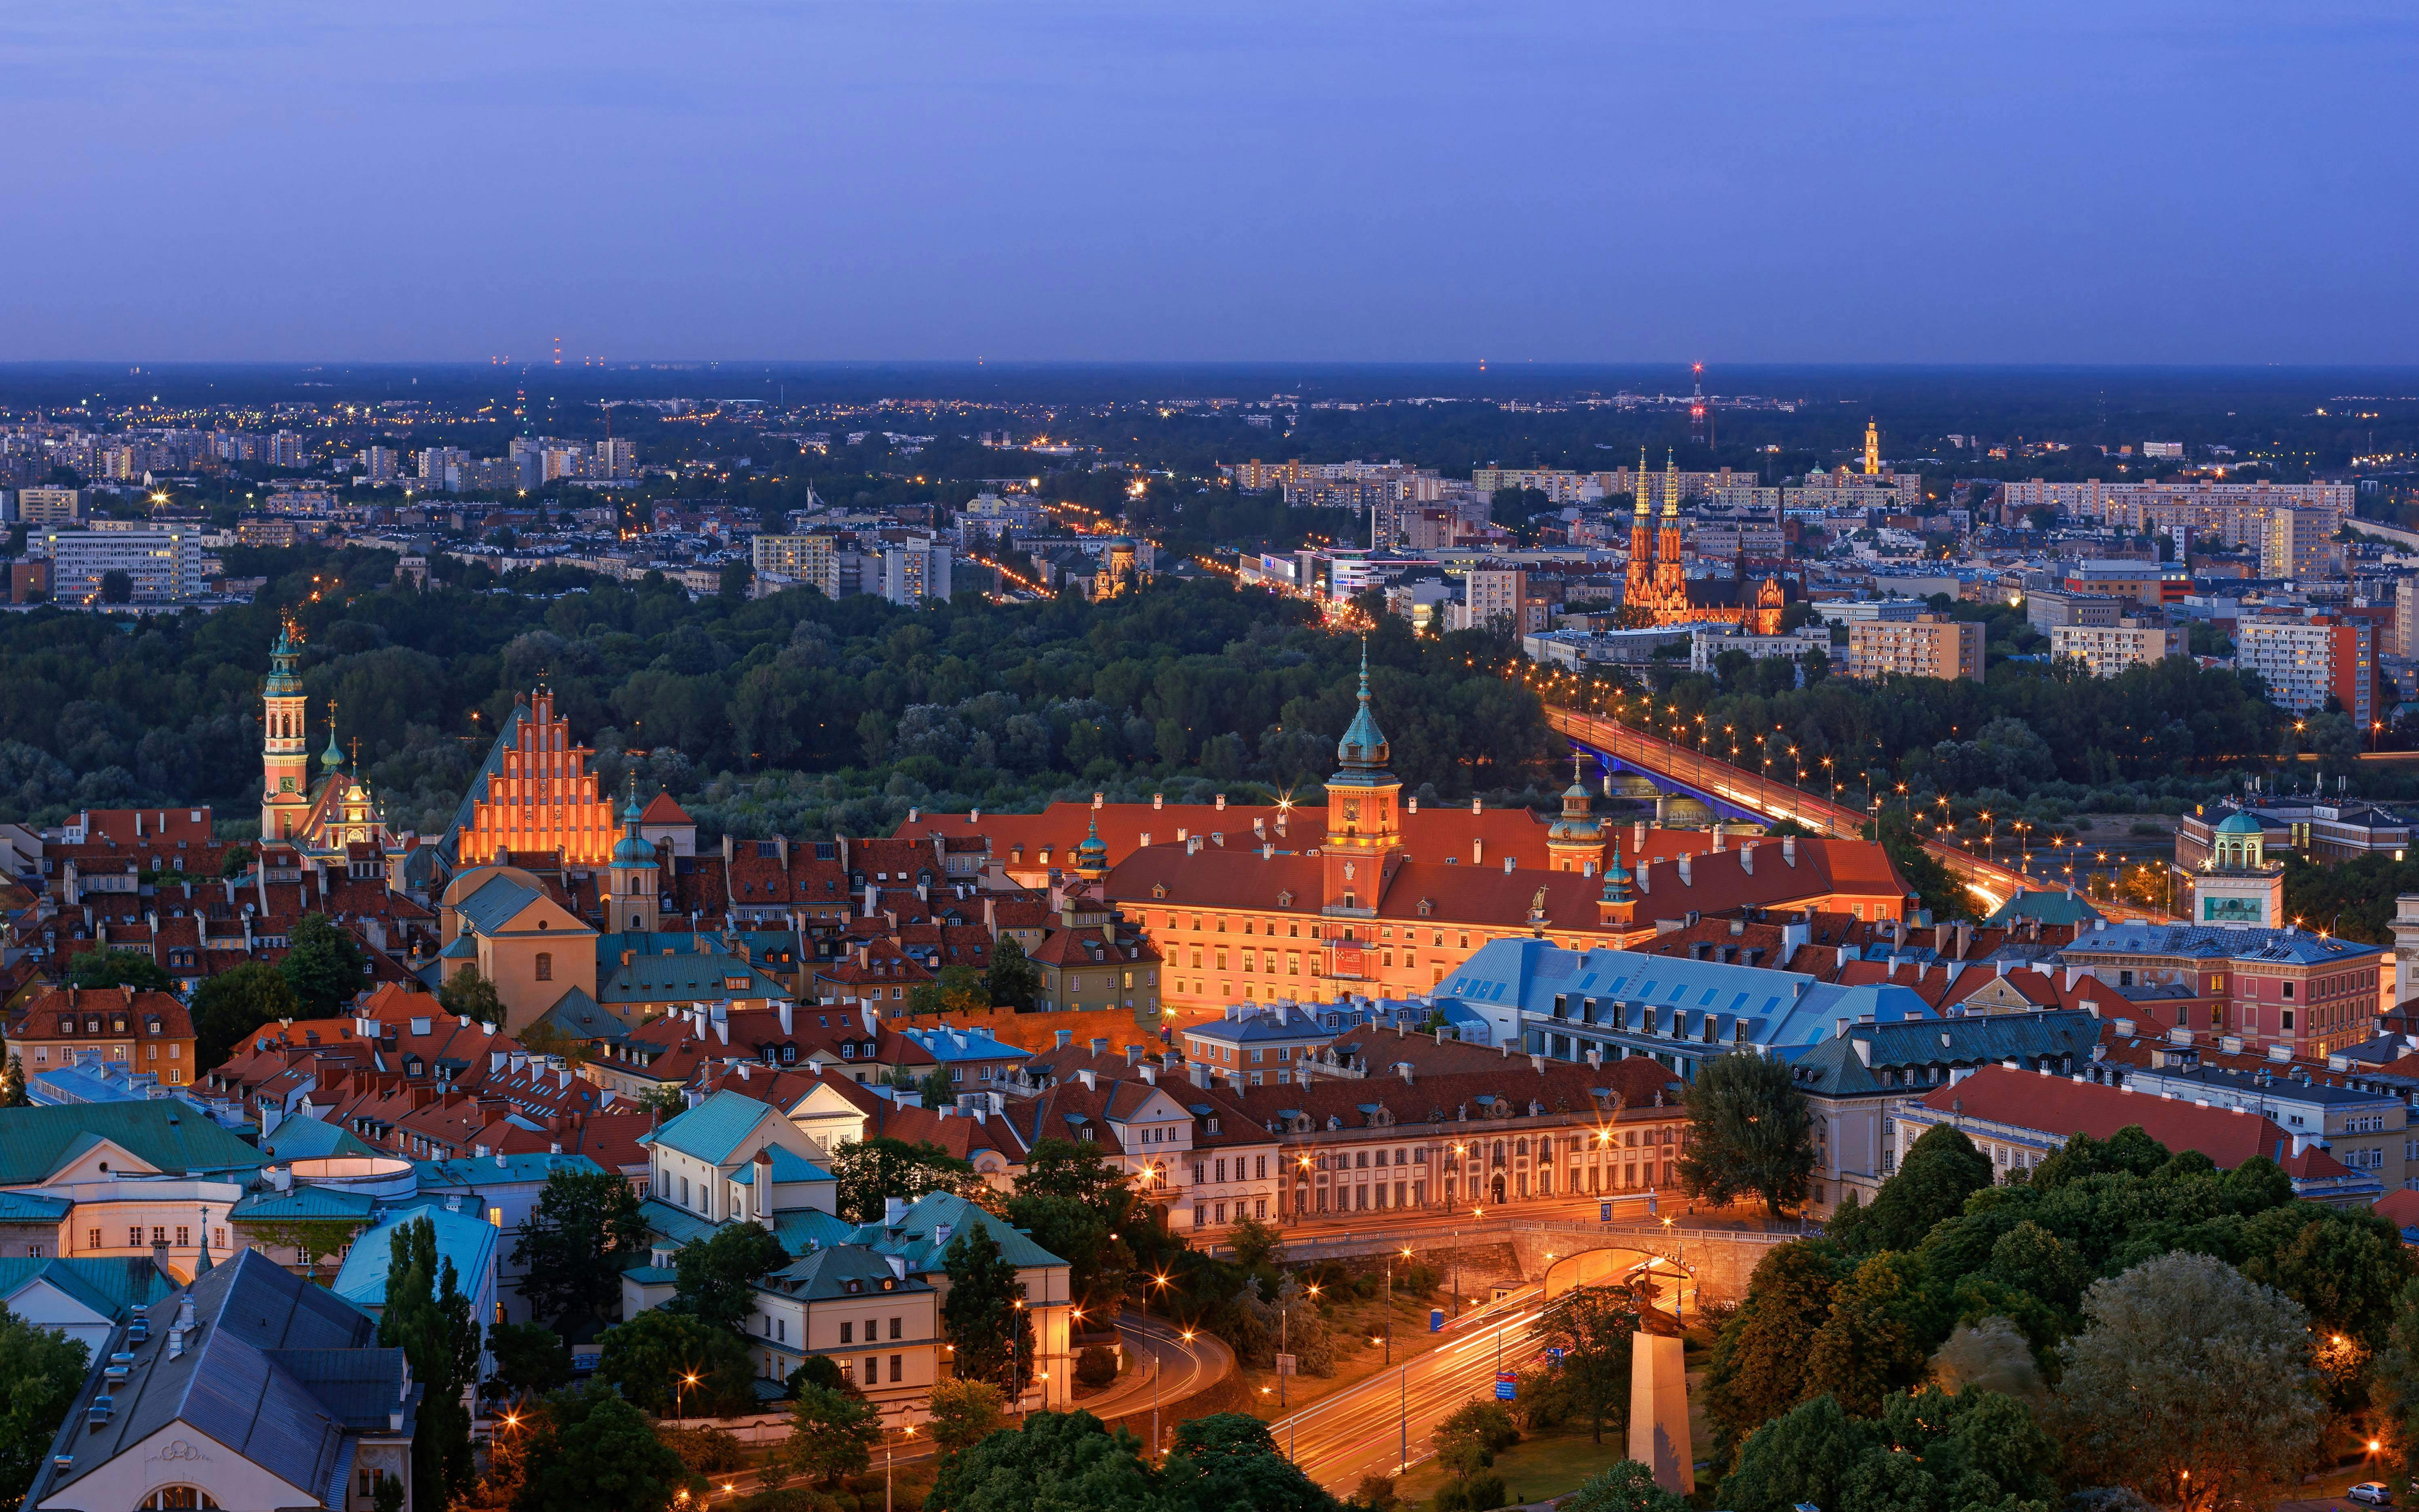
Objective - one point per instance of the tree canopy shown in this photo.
(584, 1228)
(1748, 1132)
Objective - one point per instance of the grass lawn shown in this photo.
(1539, 1466)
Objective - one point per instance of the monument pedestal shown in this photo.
(1658, 1411)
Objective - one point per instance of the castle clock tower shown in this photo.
(1365, 832)
(285, 750)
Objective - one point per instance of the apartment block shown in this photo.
(1928, 645)
(2300, 543)
(915, 570)
(161, 566)
(805, 558)
(2110, 649)
(2304, 661)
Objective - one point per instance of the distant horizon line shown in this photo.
(1469, 367)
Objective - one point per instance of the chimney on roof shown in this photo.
(1477, 850)
(1789, 850)
(1133, 1052)
(1503, 1051)
(1222, 803)
(1508, 866)
(1403, 1068)
(1718, 834)
(1066, 1038)
(1099, 1046)
(1687, 877)
(783, 1008)
(1090, 1079)
(1149, 1075)
(1196, 1072)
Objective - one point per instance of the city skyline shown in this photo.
(2154, 185)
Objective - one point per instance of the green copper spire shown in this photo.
(1363, 747)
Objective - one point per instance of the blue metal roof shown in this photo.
(306, 1138)
(2291, 947)
(471, 1172)
(468, 1243)
(947, 1044)
(714, 1129)
(495, 902)
(788, 1166)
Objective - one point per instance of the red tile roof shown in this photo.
(2062, 1107)
(661, 809)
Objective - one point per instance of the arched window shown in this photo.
(169, 1497)
(545, 967)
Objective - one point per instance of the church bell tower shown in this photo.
(285, 746)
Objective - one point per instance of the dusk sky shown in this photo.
(2086, 183)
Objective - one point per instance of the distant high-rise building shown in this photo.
(380, 464)
(915, 570)
(434, 461)
(287, 450)
(617, 457)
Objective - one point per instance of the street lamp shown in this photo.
(680, 1393)
(909, 1429)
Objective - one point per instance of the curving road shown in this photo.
(1171, 1369)
(1382, 1425)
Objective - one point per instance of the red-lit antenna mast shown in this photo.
(1701, 415)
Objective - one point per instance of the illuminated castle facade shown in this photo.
(1660, 591)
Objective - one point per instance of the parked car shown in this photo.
(2373, 1492)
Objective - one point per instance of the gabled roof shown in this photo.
(170, 1136)
(495, 904)
(801, 1230)
(468, 1243)
(661, 809)
(840, 1271)
(788, 1166)
(308, 1138)
(714, 1129)
(915, 1236)
(576, 1013)
(112, 1287)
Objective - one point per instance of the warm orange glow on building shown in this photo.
(540, 795)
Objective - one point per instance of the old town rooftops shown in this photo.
(2281, 947)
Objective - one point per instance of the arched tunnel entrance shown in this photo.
(1616, 1265)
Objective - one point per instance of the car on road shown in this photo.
(2373, 1492)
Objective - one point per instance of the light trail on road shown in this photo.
(1360, 1430)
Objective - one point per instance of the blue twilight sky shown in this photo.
(2189, 182)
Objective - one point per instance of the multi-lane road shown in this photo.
(1380, 1425)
